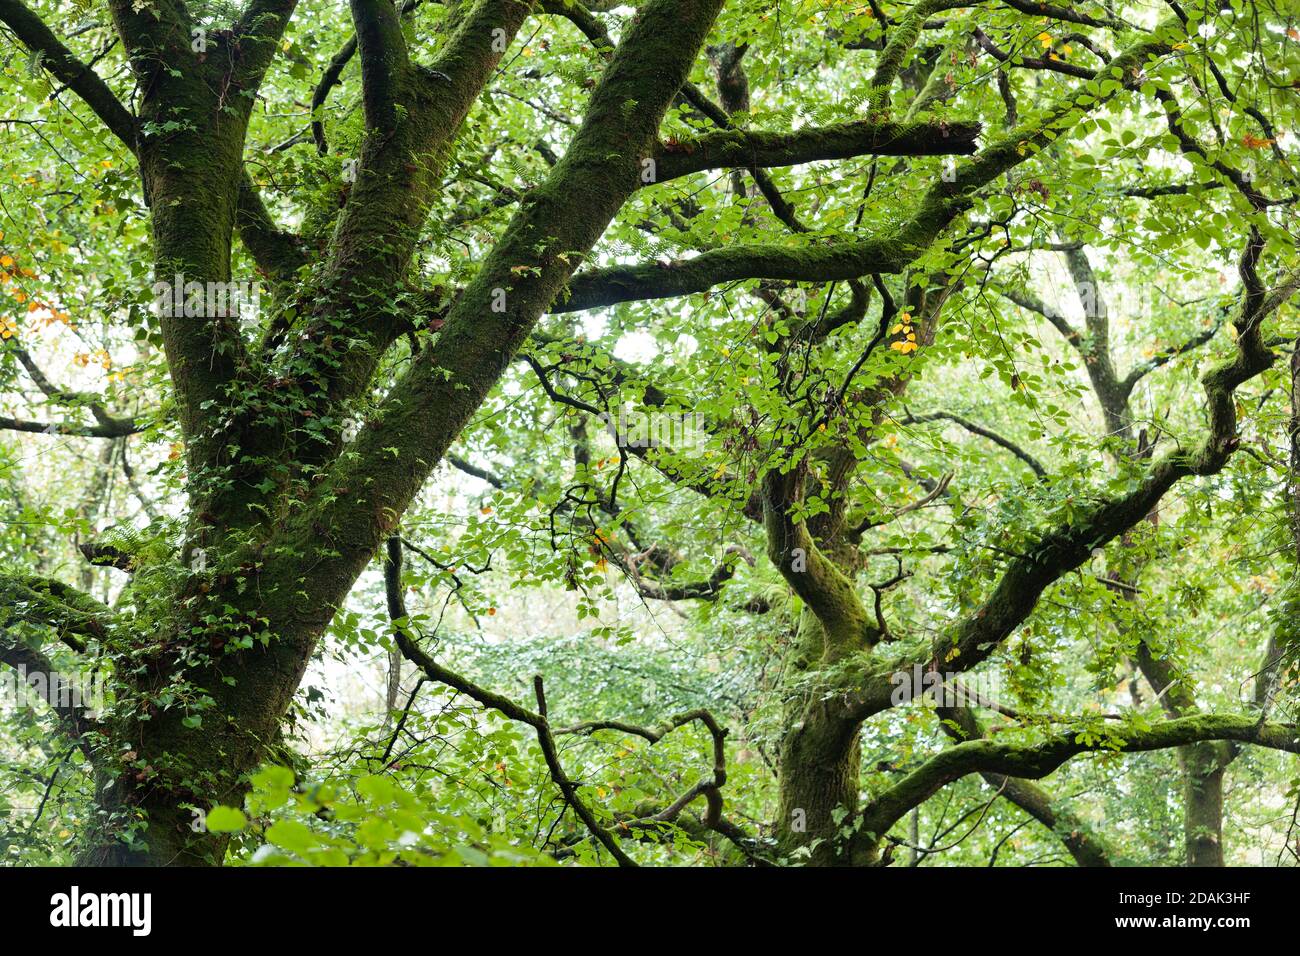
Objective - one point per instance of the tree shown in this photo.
(401, 298)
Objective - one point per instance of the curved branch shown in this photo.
(1038, 760)
(945, 201)
(70, 71)
(939, 490)
(1069, 545)
(1068, 14)
(474, 471)
(708, 787)
(749, 149)
(695, 590)
(109, 426)
(976, 429)
(73, 615)
(818, 581)
(1055, 65)
(1028, 301)
(598, 288)
(66, 699)
(1165, 356)
(961, 724)
(255, 36)
(75, 618)
(117, 428)
(538, 721)
(278, 252)
(385, 64)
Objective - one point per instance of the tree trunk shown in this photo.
(155, 786)
(818, 769)
(1203, 768)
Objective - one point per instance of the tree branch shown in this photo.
(538, 721)
(1075, 835)
(519, 278)
(749, 149)
(1039, 760)
(850, 260)
(1068, 546)
(70, 71)
(109, 426)
(74, 616)
(975, 429)
(118, 428)
(1165, 356)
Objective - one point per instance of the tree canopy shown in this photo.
(523, 432)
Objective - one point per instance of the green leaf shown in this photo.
(226, 820)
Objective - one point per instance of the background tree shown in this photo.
(491, 214)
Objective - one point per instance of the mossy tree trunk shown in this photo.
(262, 575)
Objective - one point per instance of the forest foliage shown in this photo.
(610, 408)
